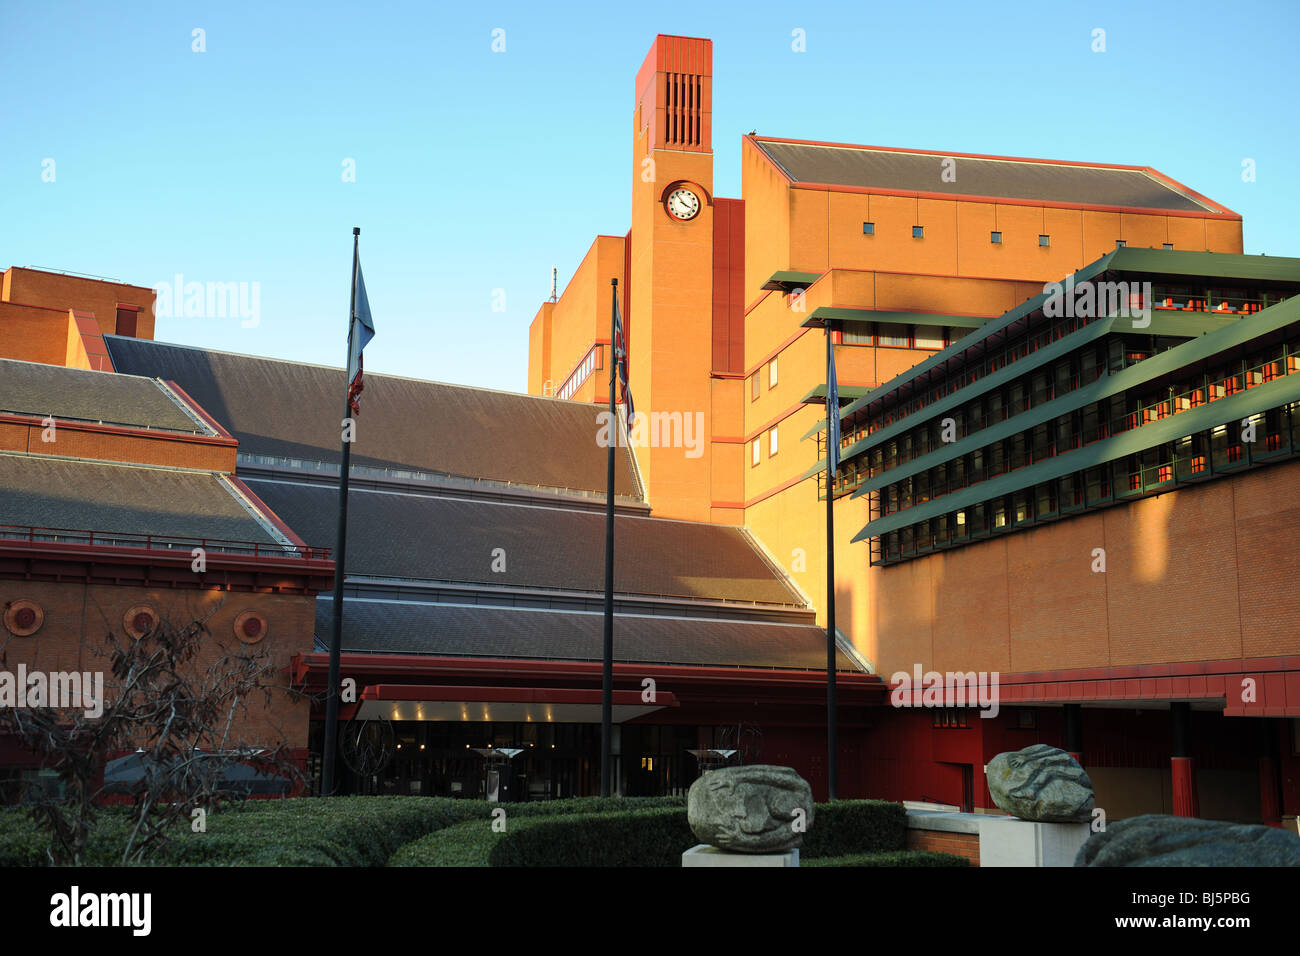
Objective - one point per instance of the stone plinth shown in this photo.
(1009, 841)
(705, 855)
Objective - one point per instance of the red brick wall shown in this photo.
(72, 440)
(78, 616)
(941, 841)
(52, 290)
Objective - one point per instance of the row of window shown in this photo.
(593, 361)
(756, 378)
(995, 237)
(994, 357)
(757, 446)
(1094, 422)
(898, 335)
(1199, 456)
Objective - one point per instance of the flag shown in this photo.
(620, 356)
(360, 332)
(832, 411)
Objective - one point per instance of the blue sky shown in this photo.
(477, 171)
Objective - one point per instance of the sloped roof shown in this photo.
(405, 535)
(993, 177)
(454, 630)
(29, 388)
(292, 410)
(92, 496)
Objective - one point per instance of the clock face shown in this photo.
(683, 204)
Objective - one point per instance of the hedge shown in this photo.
(855, 826)
(308, 831)
(646, 838)
(470, 843)
(369, 831)
(889, 858)
(635, 838)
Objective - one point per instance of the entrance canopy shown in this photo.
(501, 704)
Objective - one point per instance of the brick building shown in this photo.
(995, 450)
(927, 267)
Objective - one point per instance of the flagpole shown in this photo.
(340, 553)
(607, 656)
(832, 751)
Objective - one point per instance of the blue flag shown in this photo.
(832, 412)
(360, 332)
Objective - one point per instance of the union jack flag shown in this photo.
(620, 356)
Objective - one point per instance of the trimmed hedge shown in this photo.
(890, 858)
(466, 844)
(627, 838)
(437, 831)
(855, 826)
(307, 831)
(842, 830)
(471, 843)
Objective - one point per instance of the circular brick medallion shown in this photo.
(250, 627)
(24, 618)
(139, 621)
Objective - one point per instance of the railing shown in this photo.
(1210, 390)
(433, 477)
(158, 542)
(137, 426)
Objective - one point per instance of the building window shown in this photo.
(1044, 240)
(929, 337)
(126, 321)
(758, 448)
(950, 718)
(918, 232)
(753, 386)
(771, 374)
(1120, 243)
(995, 238)
(771, 443)
(868, 228)
(893, 334)
(1168, 245)
(848, 337)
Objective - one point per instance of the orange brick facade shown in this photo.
(1196, 575)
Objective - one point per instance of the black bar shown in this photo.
(607, 659)
(1180, 728)
(340, 552)
(1073, 714)
(832, 749)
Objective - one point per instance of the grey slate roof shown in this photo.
(80, 495)
(292, 410)
(995, 178)
(452, 630)
(452, 539)
(29, 388)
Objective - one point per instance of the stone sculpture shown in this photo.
(750, 809)
(1156, 839)
(1041, 783)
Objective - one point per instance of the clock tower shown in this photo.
(670, 265)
